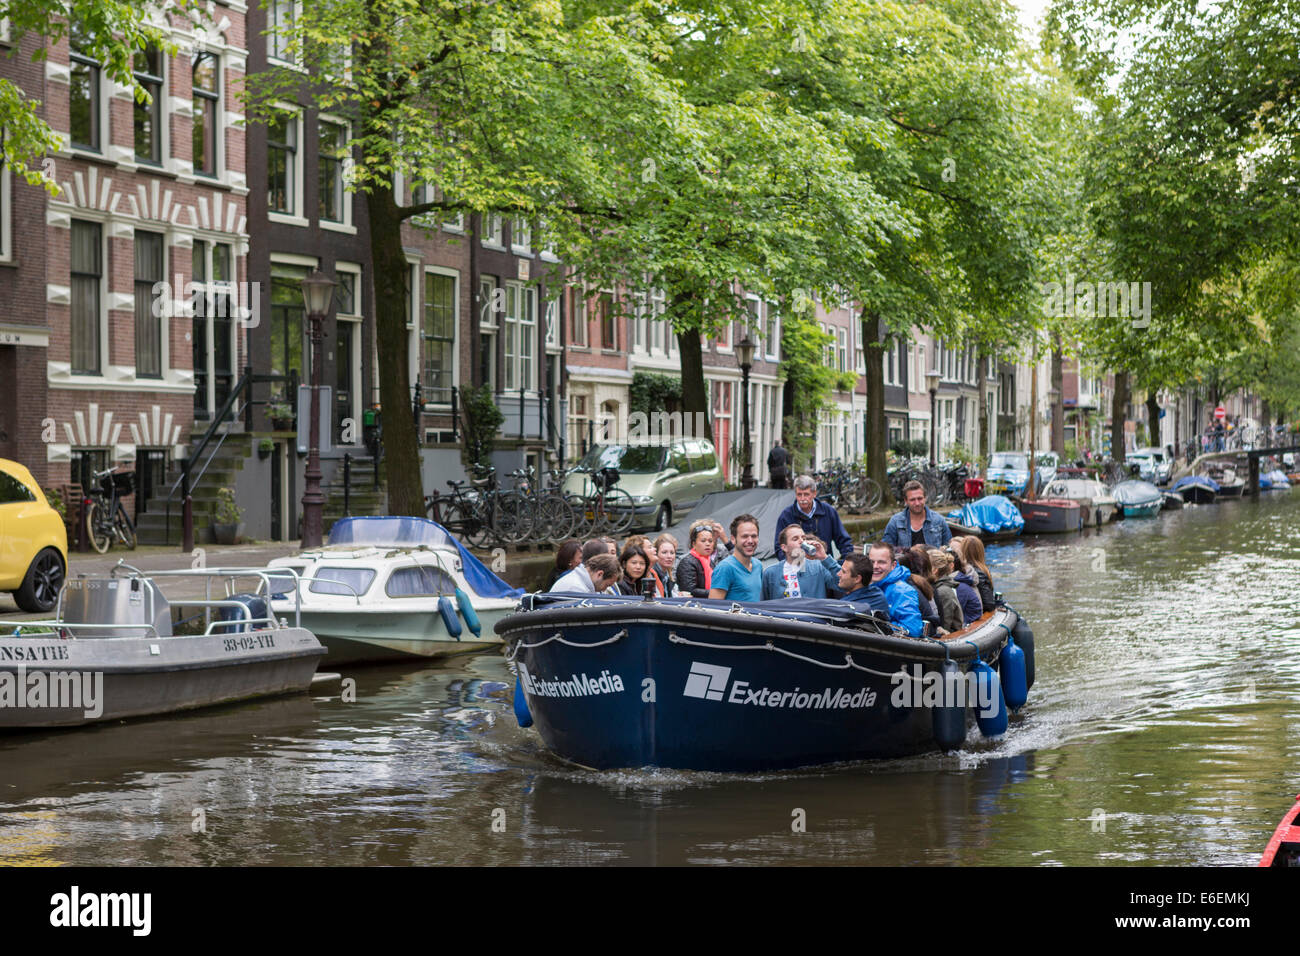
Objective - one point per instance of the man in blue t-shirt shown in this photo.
(739, 577)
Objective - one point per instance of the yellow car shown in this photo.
(33, 541)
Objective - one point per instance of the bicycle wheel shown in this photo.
(583, 515)
(555, 519)
(935, 488)
(123, 528)
(618, 511)
(511, 518)
(869, 493)
(98, 531)
(466, 520)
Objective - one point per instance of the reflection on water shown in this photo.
(1162, 729)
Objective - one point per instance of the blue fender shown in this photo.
(1011, 665)
(992, 720)
(1024, 637)
(522, 713)
(449, 618)
(468, 613)
(949, 722)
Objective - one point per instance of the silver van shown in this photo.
(663, 480)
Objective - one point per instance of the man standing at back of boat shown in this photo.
(916, 523)
(815, 517)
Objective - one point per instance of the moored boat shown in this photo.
(992, 518)
(1197, 489)
(716, 685)
(1276, 481)
(1283, 848)
(1172, 501)
(1050, 515)
(394, 588)
(1096, 501)
(1140, 499)
(111, 652)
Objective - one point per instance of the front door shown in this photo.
(150, 476)
(277, 491)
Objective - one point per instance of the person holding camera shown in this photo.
(805, 572)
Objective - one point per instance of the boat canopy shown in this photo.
(388, 531)
(1203, 480)
(991, 514)
(1136, 492)
(1278, 479)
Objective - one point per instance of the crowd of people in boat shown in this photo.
(918, 576)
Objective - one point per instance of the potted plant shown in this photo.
(226, 523)
(281, 415)
(265, 447)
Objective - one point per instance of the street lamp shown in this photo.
(317, 291)
(932, 382)
(745, 353)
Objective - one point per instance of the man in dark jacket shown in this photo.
(778, 465)
(855, 582)
(815, 517)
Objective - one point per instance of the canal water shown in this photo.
(1164, 728)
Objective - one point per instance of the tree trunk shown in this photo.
(1117, 409)
(401, 449)
(1153, 419)
(695, 396)
(982, 449)
(873, 350)
(1058, 406)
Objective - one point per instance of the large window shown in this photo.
(347, 352)
(553, 320)
(333, 151)
(488, 331)
(282, 14)
(205, 73)
(5, 226)
(492, 231)
(608, 318)
(212, 332)
(149, 269)
(439, 337)
(281, 161)
(287, 326)
(521, 336)
(87, 281)
(148, 115)
(83, 104)
(521, 237)
(579, 336)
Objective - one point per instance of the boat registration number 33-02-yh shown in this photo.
(249, 643)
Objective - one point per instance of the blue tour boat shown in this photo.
(716, 685)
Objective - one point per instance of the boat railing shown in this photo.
(65, 629)
(229, 577)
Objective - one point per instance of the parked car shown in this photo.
(1009, 471)
(663, 480)
(33, 541)
(1153, 465)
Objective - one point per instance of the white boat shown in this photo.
(393, 589)
(112, 651)
(1094, 498)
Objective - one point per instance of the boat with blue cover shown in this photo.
(1197, 489)
(697, 684)
(392, 589)
(1275, 480)
(992, 518)
(1139, 499)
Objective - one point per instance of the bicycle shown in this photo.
(105, 515)
(607, 510)
(552, 515)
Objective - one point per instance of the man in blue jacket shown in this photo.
(815, 517)
(916, 524)
(799, 574)
(892, 578)
(855, 582)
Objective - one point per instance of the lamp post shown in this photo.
(317, 291)
(932, 382)
(745, 353)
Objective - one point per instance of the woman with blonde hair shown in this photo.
(971, 549)
(945, 591)
(664, 566)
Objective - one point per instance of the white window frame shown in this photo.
(105, 271)
(454, 275)
(415, 275)
(219, 132)
(492, 232)
(164, 115)
(353, 321)
(345, 224)
(526, 325)
(552, 319)
(771, 332)
(6, 214)
(227, 287)
(295, 217)
(102, 118)
(519, 228)
(842, 349)
(492, 325)
(164, 323)
(272, 35)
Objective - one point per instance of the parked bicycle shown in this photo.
(479, 513)
(105, 514)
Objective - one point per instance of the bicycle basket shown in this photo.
(122, 482)
(607, 477)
